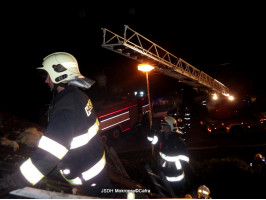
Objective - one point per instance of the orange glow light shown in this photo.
(145, 67)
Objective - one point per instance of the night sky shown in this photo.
(225, 40)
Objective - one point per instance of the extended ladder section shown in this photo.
(141, 49)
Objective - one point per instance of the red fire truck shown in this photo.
(119, 117)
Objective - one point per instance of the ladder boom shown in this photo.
(138, 47)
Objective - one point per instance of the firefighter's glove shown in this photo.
(7, 184)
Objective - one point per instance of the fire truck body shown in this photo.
(120, 118)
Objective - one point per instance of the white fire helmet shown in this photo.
(63, 67)
(170, 121)
(203, 192)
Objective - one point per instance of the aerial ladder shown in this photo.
(135, 46)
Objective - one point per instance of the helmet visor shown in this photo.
(42, 73)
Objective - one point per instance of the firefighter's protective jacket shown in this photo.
(173, 157)
(173, 154)
(70, 143)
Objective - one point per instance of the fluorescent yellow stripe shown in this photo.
(52, 147)
(175, 178)
(155, 140)
(184, 158)
(75, 181)
(86, 137)
(59, 150)
(30, 172)
(174, 158)
(87, 175)
(168, 158)
(95, 170)
(178, 165)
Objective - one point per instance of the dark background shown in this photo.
(225, 40)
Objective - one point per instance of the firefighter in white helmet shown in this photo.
(173, 156)
(63, 68)
(70, 143)
(203, 192)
